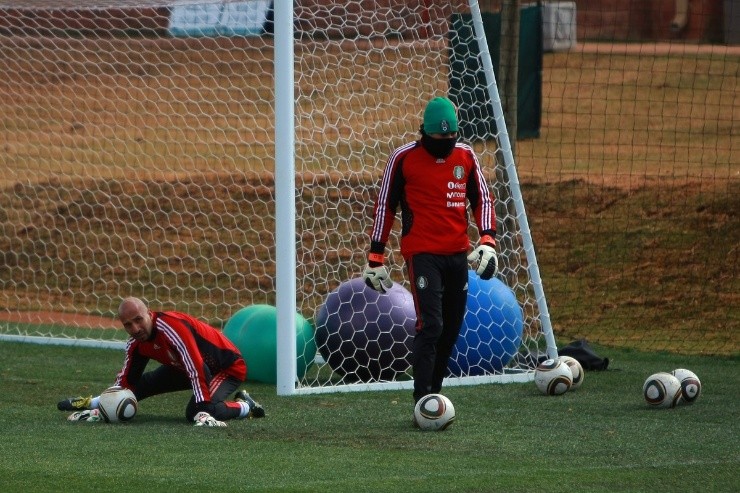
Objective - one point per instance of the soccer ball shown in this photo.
(553, 376)
(662, 390)
(690, 384)
(434, 412)
(576, 369)
(117, 404)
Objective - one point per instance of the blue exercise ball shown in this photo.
(366, 336)
(492, 329)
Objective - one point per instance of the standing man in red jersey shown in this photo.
(433, 180)
(193, 356)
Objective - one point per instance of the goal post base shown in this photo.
(507, 377)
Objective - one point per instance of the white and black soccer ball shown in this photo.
(575, 369)
(434, 412)
(553, 376)
(690, 384)
(117, 404)
(662, 390)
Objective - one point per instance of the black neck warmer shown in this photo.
(439, 148)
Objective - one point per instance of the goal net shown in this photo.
(139, 160)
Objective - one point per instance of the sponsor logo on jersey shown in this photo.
(456, 193)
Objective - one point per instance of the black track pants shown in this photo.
(168, 379)
(439, 285)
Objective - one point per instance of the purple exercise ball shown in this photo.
(366, 336)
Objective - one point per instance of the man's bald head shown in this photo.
(135, 318)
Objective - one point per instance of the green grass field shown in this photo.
(600, 437)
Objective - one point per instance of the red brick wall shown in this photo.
(647, 20)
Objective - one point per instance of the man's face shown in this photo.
(137, 321)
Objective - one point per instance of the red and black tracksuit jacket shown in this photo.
(432, 195)
(187, 344)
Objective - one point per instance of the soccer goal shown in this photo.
(212, 156)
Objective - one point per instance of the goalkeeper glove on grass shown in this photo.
(91, 416)
(205, 419)
(485, 255)
(376, 275)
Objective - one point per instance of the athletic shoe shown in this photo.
(205, 419)
(75, 403)
(255, 408)
(91, 416)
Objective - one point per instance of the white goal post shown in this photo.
(285, 167)
(215, 165)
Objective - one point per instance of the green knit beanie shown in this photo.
(440, 116)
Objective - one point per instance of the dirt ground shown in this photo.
(636, 229)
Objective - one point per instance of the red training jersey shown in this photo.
(178, 340)
(432, 194)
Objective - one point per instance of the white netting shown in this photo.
(139, 160)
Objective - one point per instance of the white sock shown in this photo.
(245, 409)
(95, 403)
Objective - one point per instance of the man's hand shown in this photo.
(205, 419)
(377, 278)
(485, 255)
(89, 415)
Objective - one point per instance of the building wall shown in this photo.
(647, 20)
